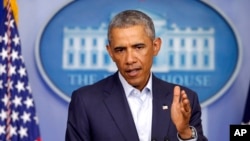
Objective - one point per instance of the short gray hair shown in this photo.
(129, 18)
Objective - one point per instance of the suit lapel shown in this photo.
(117, 104)
(162, 100)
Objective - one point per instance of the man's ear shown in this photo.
(109, 49)
(156, 45)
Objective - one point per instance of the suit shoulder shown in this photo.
(96, 87)
(164, 84)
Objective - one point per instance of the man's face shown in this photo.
(132, 50)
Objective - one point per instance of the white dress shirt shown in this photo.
(140, 103)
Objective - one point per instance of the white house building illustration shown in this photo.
(183, 49)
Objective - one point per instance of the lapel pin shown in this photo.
(164, 107)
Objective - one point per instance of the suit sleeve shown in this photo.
(195, 120)
(77, 123)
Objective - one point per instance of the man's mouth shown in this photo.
(132, 72)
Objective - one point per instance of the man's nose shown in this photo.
(130, 57)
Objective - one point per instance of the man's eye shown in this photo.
(119, 49)
(139, 47)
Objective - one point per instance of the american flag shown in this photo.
(18, 119)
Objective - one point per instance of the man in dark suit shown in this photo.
(133, 104)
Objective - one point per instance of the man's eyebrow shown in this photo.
(119, 47)
(134, 45)
(138, 44)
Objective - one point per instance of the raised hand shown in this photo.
(181, 113)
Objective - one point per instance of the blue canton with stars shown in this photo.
(23, 120)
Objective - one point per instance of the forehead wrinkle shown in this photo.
(128, 36)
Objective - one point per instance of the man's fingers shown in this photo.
(180, 97)
(185, 101)
(177, 93)
(186, 107)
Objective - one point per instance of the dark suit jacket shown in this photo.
(100, 112)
